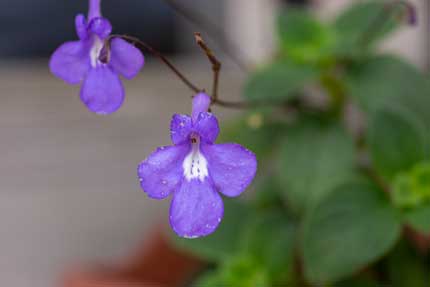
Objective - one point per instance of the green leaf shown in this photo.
(278, 82)
(314, 160)
(224, 242)
(406, 268)
(279, 257)
(419, 218)
(269, 194)
(404, 194)
(397, 141)
(256, 131)
(209, 279)
(303, 37)
(352, 227)
(244, 271)
(270, 240)
(239, 271)
(357, 282)
(383, 81)
(412, 188)
(364, 24)
(421, 179)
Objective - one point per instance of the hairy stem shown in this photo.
(142, 45)
(216, 67)
(216, 64)
(213, 30)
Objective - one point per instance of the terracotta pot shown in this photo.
(157, 263)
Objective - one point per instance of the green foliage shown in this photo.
(383, 81)
(209, 279)
(364, 24)
(358, 282)
(397, 141)
(269, 195)
(332, 202)
(406, 269)
(279, 81)
(303, 38)
(352, 227)
(240, 271)
(222, 244)
(419, 218)
(404, 194)
(412, 188)
(266, 235)
(258, 260)
(257, 131)
(244, 272)
(315, 159)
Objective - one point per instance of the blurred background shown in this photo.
(68, 188)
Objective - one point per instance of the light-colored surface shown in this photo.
(251, 24)
(409, 41)
(68, 186)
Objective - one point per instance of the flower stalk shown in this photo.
(94, 9)
(216, 68)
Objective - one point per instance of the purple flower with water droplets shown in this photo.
(85, 61)
(195, 170)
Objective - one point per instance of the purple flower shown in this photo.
(80, 61)
(195, 169)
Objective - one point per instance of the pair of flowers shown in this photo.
(194, 170)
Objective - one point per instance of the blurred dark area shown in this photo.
(34, 28)
(296, 2)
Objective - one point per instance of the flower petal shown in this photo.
(231, 167)
(201, 103)
(81, 26)
(126, 59)
(196, 209)
(71, 61)
(161, 172)
(207, 127)
(102, 91)
(180, 128)
(101, 27)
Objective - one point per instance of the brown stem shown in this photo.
(213, 30)
(216, 65)
(137, 42)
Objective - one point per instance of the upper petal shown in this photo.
(180, 128)
(207, 127)
(101, 27)
(102, 91)
(161, 172)
(201, 103)
(71, 61)
(126, 59)
(231, 167)
(196, 209)
(81, 26)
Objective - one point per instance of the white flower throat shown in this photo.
(195, 164)
(95, 51)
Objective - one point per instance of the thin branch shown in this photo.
(216, 64)
(138, 43)
(105, 56)
(213, 30)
